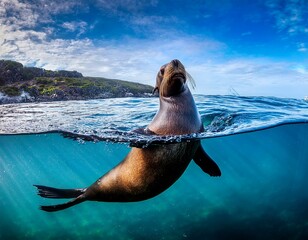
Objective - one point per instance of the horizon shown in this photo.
(249, 48)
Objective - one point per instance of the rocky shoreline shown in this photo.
(21, 84)
(25, 97)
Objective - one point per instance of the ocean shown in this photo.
(259, 143)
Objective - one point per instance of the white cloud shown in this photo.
(17, 13)
(302, 47)
(251, 77)
(246, 34)
(139, 60)
(290, 16)
(76, 26)
(125, 6)
(301, 69)
(25, 14)
(154, 25)
(130, 59)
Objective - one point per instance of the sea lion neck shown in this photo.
(170, 96)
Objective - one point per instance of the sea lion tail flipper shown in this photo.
(54, 208)
(49, 192)
(205, 162)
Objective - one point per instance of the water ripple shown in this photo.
(114, 119)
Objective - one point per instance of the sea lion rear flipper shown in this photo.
(54, 208)
(49, 192)
(205, 162)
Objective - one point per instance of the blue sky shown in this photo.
(249, 47)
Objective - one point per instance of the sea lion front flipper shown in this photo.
(205, 162)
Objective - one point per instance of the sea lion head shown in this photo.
(171, 79)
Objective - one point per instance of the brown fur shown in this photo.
(146, 172)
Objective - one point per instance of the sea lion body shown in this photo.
(143, 174)
(146, 172)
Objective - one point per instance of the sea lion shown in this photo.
(146, 172)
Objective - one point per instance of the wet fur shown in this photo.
(145, 173)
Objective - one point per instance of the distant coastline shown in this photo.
(30, 84)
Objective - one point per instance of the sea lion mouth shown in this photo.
(174, 85)
(178, 75)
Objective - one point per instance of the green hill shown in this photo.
(19, 83)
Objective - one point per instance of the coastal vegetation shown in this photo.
(37, 84)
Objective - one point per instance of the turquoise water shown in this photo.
(260, 144)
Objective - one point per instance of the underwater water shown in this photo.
(260, 145)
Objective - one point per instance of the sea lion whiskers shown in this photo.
(190, 80)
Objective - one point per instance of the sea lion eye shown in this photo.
(162, 71)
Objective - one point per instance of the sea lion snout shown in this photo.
(170, 79)
(175, 62)
(175, 69)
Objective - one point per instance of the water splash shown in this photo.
(23, 97)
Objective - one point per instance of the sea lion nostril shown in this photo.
(175, 62)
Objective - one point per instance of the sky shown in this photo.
(249, 48)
